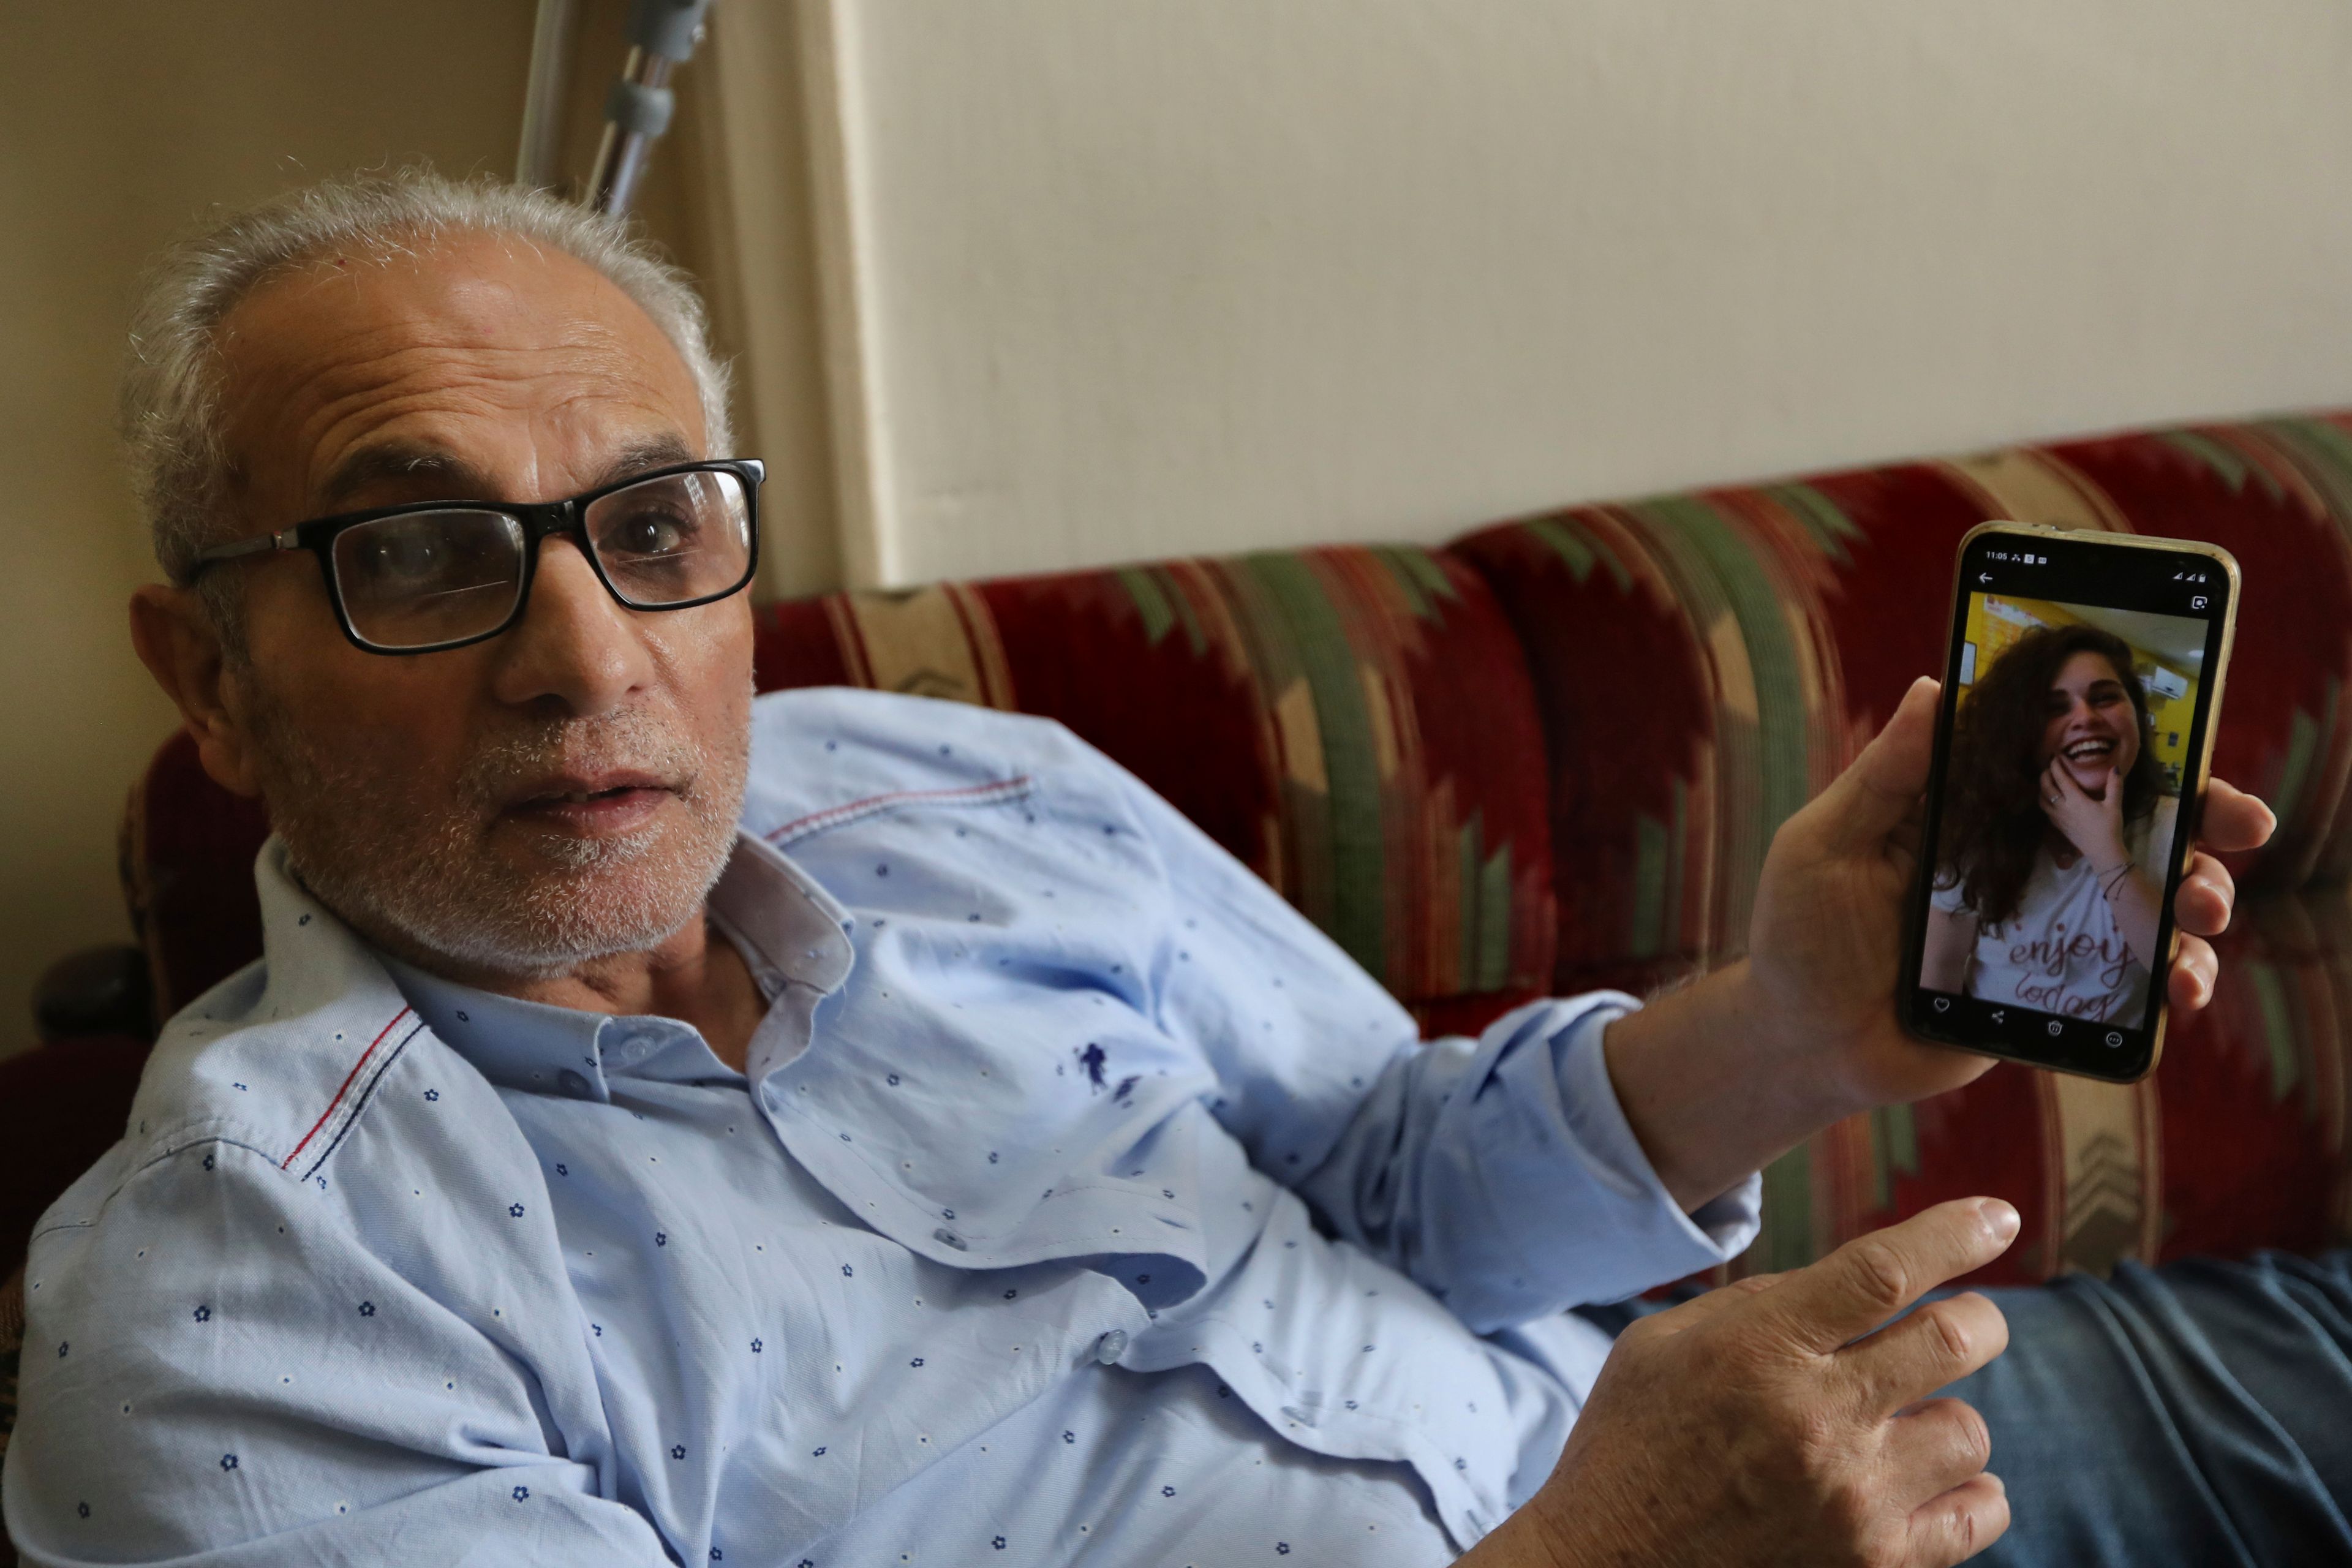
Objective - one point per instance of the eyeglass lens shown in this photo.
(429, 577)
(672, 539)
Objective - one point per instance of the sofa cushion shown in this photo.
(1706, 662)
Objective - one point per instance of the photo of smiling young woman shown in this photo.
(2057, 823)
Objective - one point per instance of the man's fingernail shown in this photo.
(2000, 1219)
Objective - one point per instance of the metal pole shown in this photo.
(662, 36)
(538, 159)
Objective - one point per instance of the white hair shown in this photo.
(171, 385)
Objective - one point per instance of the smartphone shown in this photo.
(2081, 689)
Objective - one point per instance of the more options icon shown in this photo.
(2115, 1037)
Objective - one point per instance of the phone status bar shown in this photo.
(2088, 573)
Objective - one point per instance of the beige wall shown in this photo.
(1109, 280)
(1118, 280)
(124, 121)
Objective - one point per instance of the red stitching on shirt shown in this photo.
(816, 819)
(345, 1085)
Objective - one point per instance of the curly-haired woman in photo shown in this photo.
(2049, 874)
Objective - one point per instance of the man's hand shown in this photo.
(1766, 1424)
(1826, 938)
(1721, 1078)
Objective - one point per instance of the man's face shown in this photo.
(563, 791)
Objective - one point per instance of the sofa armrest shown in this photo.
(98, 991)
(62, 1105)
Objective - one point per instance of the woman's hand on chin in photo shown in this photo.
(2093, 826)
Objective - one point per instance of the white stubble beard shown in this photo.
(422, 878)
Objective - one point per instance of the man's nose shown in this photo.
(575, 643)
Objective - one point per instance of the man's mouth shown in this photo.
(594, 805)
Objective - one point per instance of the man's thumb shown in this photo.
(1870, 799)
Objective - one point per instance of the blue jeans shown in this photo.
(2196, 1414)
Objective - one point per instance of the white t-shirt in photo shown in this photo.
(2062, 952)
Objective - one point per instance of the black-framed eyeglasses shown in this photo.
(443, 573)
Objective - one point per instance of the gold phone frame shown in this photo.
(2184, 835)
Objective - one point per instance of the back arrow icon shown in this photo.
(1984, 576)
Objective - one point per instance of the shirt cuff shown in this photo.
(1658, 1241)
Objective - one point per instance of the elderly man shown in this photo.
(843, 1128)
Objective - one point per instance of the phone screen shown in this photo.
(2079, 695)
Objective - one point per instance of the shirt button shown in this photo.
(944, 1235)
(1111, 1346)
(571, 1083)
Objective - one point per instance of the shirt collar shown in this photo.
(788, 928)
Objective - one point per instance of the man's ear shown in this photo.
(177, 642)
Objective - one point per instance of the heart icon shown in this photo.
(1943, 1004)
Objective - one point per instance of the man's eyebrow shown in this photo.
(643, 456)
(402, 461)
(373, 466)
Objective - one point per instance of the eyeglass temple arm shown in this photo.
(282, 540)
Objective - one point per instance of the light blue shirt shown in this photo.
(1080, 1198)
